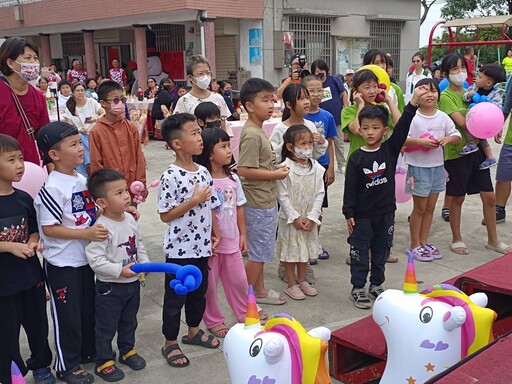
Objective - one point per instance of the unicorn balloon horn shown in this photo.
(251, 316)
(16, 376)
(410, 284)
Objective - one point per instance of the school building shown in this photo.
(241, 38)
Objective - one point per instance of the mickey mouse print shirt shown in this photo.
(188, 236)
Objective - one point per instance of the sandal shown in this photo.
(445, 214)
(220, 331)
(197, 340)
(324, 255)
(295, 292)
(420, 254)
(459, 248)
(272, 298)
(434, 252)
(500, 248)
(307, 289)
(77, 377)
(109, 372)
(171, 360)
(263, 315)
(468, 148)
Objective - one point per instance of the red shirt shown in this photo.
(118, 75)
(35, 108)
(471, 68)
(81, 75)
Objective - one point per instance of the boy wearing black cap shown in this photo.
(66, 214)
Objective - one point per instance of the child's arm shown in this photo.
(96, 157)
(393, 108)
(199, 196)
(276, 140)
(140, 172)
(96, 253)
(316, 209)
(320, 145)
(452, 135)
(467, 96)
(95, 233)
(424, 142)
(240, 217)
(283, 196)
(329, 172)
(353, 126)
(262, 174)
(350, 193)
(21, 250)
(215, 232)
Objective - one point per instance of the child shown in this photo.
(256, 167)
(465, 175)
(369, 197)
(117, 286)
(22, 292)
(228, 264)
(425, 173)
(484, 85)
(208, 115)
(64, 94)
(326, 126)
(296, 102)
(66, 211)
(91, 88)
(300, 197)
(185, 203)
(200, 76)
(114, 142)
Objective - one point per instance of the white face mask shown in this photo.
(459, 78)
(303, 153)
(203, 82)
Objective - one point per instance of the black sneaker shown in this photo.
(360, 299)
(133, 360)
(77, 377)
(375, 291)
(501, 215)
(43, 376)
(109, 372)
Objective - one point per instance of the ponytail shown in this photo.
(71, 105)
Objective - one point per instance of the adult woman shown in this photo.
(82, 112)
(150, 93)
(226, 90)
(77, 72)
(19, 64)
(117, 73)
(173, 88)
(42, 84)
(507, 63)
(162, 105)
(415, 75)
(334, 99)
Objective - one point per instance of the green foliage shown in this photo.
(466, 9)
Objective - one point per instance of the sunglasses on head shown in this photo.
(116, 100)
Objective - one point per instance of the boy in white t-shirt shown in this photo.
(200, 76)
(66, 214)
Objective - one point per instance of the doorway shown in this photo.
(108, 52)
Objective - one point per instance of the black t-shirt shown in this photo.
(17, 222)
(370, 177)
(163, 97)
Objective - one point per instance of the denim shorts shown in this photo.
(261, 226)
(425, 181)
(504, 171)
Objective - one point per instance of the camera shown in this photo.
(302, 63)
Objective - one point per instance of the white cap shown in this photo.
(349, 72)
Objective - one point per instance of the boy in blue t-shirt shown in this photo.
(326, 125)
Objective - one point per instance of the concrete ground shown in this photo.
(331, 308)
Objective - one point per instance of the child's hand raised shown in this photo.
(127, 272)
(420, 91)
(97, 233)
(23, 251)
(318, 138)
(200, 195)
(358, 99)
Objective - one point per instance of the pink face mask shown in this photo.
(118, 108)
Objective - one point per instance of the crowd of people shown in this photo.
(269, 204)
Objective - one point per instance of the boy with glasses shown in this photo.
(114, 141)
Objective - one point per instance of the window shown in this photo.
(386, 36)
(73, 44)
(169, 37)
(312, 36)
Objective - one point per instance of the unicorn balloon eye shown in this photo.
(426, 314)
(255, 347)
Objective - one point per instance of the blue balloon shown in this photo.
(443, 84)
(465, 85)
(188, 277)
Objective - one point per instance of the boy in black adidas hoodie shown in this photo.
(369, 197)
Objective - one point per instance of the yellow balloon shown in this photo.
(381, 74)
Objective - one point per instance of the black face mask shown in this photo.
(166, 86)
(213, 124)
(321, 75)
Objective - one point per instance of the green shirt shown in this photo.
(508, 136)
(450, 102)
(400, 97)
(348, 114)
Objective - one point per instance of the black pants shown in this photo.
(117, 305)
(72, 306)
(194, 302)
(28, 309)
(375, 235)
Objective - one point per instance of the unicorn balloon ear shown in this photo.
(251, 316)
(410, 284)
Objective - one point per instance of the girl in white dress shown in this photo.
(300, 197)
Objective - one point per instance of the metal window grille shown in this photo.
(73, 44)
(386, 36)
(312, 36)
(169, 37)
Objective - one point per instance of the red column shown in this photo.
(46, 51)
(142, 56)
(209, 40)
(90, 64)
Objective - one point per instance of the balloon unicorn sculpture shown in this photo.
(137, 187)
(427, 333)
(188, 277)
(280, 352)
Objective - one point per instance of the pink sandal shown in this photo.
(434, 252)
(420, 254)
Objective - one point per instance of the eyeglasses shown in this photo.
(116, 100)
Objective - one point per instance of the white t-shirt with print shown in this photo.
(90, 109)
(64, 200)
(188, 103)
(188, 236)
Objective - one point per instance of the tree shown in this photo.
(426, 4)
(467, 9)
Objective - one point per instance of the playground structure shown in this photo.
(454, 27)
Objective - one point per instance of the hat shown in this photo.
(349, 72)
(51, 134)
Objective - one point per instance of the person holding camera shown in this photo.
(298, 63)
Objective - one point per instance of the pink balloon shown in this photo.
(401, 196)
(33, 179)
(484, 120)
(136, 187)
(155, 183)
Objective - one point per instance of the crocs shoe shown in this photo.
(43, 376)
(77, 377)
(295, 292)
(488, 163)
(109, 372)
(307, 289)
(133, 360)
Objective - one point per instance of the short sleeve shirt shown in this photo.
(325, 124)
(118, 75)
(507, 63)
(188, 103)
(331, 100)
(451, 102)
(64, 200)
(188, 236)
(90, 109)
(255, 151)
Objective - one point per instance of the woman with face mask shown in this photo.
(19, 65)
